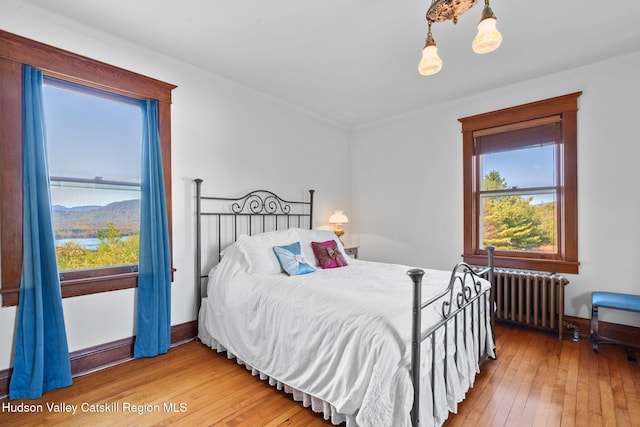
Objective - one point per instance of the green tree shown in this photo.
(547, 217)
(72, 256)
(510, 222)
(493, 181)
(114, 250)
(111, 250)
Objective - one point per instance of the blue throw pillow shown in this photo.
(291, 260)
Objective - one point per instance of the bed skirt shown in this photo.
(317, 405)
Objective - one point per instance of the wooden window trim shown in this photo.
(60, 64)
(566, 107)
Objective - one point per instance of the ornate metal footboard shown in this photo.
(453, 300)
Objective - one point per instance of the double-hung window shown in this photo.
(94, 152)
(520, 183)
(94, 133)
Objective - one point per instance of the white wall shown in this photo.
(407, 180)
(234, 138)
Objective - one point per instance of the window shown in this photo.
(94, 149)
(74, 75)
(520, 186)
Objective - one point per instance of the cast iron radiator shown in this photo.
(530, 298)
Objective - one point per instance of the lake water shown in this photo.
(90, 243)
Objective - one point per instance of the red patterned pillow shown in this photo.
(328, 254)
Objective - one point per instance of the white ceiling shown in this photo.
(355, 61)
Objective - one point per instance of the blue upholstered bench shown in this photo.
(615, 301)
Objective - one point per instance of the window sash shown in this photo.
(515, 138)
(97, 103)
(548, 191)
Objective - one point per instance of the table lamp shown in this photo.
(338, 218)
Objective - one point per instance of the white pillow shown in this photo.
(258, 249)
(234, 253)
(308, 236)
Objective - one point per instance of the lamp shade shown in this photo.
(431, 62)
(488, 38)
(338, 217)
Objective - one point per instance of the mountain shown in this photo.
(60, 208)
(86, 221)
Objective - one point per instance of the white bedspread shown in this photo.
(342, 335)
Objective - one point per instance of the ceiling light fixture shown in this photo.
(431, 62)
(487, 40)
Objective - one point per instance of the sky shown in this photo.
(531, 167)
(91, 136)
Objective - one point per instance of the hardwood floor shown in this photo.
(541, 381)
(536, 381)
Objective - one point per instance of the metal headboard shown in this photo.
(256, 212)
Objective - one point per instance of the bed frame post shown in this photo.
(198, 250)
(311, 192)
(491, 251)
(416, 331)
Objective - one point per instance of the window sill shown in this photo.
(83, 286)
(548, 265)
(78, 287)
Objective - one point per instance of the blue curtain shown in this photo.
(41, 359)
(153, 335)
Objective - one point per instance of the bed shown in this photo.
(364, 343)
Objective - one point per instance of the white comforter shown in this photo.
(342, 335)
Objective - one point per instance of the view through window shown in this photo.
(519, 189)
(94, 152)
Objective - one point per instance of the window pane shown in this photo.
(94, 150)
(523, 168)
(525, 222)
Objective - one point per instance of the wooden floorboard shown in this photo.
(537, 380)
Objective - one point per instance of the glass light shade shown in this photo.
(338, 217)
(488, 38)
(430, 62)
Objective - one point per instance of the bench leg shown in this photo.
(594, 328)
(631, 354)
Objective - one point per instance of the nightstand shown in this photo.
(351, 250)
